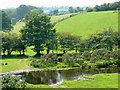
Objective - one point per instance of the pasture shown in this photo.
(88, 23)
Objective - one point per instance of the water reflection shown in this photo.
(58, 76)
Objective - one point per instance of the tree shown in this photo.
(13, 20)
(52, 42)
(71, 10)
(6, 22)
(68, 42)
(39, 10)
(89, 9)
(21, 11)
(20, 45)
(9, 42)
(79, 9)
(36, 32)
(55, 12)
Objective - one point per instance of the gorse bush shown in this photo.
(8, 81)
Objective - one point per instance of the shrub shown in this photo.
(9, 81)
(86, 55)
(45, 60)
(68, 59)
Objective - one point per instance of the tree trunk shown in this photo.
(9, 53)
(63, 51)
(48, 51)
(76, 50)
(38, 53)
(20, 52)
(23, 52)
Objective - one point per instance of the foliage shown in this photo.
(6, 22)
(106, 7)
(36, 31)
(47, 60)
(12, 82)
(12, 42)
(21, 11)
(68, 41)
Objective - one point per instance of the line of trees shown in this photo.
(18, 13)
(40, 33)
(104, 7)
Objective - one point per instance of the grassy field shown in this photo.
(83, 24)
(56, 18)
(99, 81)
(88, 23)
(15, 64)
(19, 25)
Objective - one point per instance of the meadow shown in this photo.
(19, 25)
(82, 24)
(88, 23)
(99, 81)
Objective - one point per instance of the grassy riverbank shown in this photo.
(109, 80)
(99, 81)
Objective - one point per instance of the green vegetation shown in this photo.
(59, 17)
(8, 81)
(15, 64)
(99, 81)
(88, 23)
(37, 86)
(18, 26)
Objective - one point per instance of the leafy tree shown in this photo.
(13, 20)
(39, 10)
(89, 9)
(52, 42)
(20, 45)
(6, 22)
(36, 32)
(71, 10)
(68, 42)
(55, 12)
(79, 9)
(9, 42)
(21, 11)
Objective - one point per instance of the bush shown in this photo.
(68, 59)
(45, 60)
(9, 81)
(86, 55)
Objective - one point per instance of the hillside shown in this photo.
(19, 25)
(83, 24)
(88, 23)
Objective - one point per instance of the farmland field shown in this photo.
(83, 24)
(88, 23)
(19, 25)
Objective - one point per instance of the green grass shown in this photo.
(14, 64)
(56, 18)
(100, 81)
(19, 25)
(89, 23)
(37, 86)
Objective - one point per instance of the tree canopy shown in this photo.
(6, 22)
(36, 31)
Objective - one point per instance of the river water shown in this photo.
(58, 76)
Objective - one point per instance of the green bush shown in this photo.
(8, 81)
(45, 61)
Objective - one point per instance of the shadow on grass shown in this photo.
(14, 56)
